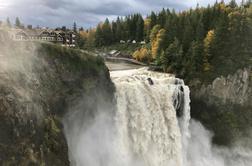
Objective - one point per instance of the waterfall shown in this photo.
(148, 128)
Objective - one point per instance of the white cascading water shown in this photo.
(148, 128)
(143, 131)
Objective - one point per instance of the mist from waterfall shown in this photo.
(145, 129)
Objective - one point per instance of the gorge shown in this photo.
(59, 106)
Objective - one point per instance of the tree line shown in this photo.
(213, 40)
(17, 23)
(201, 42)
(128, 28)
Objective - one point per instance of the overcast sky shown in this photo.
(86, 13)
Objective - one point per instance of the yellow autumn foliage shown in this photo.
(142, 55)
(90, 40)
(84, 34)
(207, 44)
(209, 38)
(154, 49)
(156, 43)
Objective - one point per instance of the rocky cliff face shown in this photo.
(38, 83)
(225, 105)
(233, 88)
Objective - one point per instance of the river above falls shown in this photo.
(115, 66)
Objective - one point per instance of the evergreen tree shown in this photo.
(114, 32)
(207, 18)
(153, 19)
(221, 44)
(171, 59)
(188, 35)
(64, 28)
(194, 60)
(140, 28)
(99, 39)
(107, 32)
(17, 23)
(162, 18)
(171, 28)
(119, 30)
(240, 38)
(200, 31)
(75, 27)
(8, 23)
(233, 4)
(81, 29)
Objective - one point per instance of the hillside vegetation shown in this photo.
(204, 42)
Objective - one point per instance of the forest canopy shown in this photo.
(209, 40)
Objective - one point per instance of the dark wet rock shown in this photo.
(150, 81)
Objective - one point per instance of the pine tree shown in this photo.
(171, 28)
(8, 23)
(195, 58)
(153, 19)
(75, 27)
(99, 38)
(63, 28)
(17, 23)
(107, 32)
(172, 57)
(233, 4)
(81, 29)
(119, 30)
(200, 31)
(162, 18)
(140, 28)
(221, 43)
(240, 38)
(188, 35)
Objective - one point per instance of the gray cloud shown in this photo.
(86, 13)
(55, 4)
